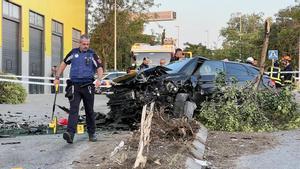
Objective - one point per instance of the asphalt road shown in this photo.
(51, 151)
(285, 155)
(44, 151)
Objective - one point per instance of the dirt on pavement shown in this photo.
(170, 139)
(222, 148)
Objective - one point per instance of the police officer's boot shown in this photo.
(92, 137)
(68, 137)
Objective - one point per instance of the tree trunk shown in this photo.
(263, 53)
(146, 121)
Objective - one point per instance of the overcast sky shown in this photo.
(200, 21)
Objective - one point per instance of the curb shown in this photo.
(197, 148)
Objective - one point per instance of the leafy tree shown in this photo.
(243, 36)
(130, 26)
(285, 32)
(198, 49)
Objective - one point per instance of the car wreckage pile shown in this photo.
(171, 95)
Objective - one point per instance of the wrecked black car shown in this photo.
(177, 88)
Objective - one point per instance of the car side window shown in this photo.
(233, 69)
(210, 68)
(189, 69)
(110, 76)
(114, 75)
(253, 71)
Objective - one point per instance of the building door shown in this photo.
(57, 41)
(10, 48)
(36, 59)
(36, 51)
(10, 38)
(56, 50)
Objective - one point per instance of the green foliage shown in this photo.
(242, 36)
(244, 33)
(130, 26)
(198, 50)
(285, 32)
(235, 108)
(12, 93)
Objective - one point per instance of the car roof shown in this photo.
(200, 57)
(114, 72)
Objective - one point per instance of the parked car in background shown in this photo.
(107, 80)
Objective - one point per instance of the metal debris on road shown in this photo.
(16, 142)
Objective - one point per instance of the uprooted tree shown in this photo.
(237, 108)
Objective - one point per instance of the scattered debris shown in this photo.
(167, 145)
(4, 136)
(75, 162)
(16, 142)
(117, 149)
(246, 138)
(157, 161)
(202, 163)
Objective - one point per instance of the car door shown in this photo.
(204, 78)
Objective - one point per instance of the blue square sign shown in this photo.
(273, 54)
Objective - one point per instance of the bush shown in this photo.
(235, 108)
(12, 93)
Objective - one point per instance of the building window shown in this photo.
(11, 10)
(57, 27)
(36, 19)
(75, 38)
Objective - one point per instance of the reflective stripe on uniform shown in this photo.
(275, 70)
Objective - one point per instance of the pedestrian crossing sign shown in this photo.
(273, 54)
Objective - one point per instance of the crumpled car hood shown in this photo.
(143, 76)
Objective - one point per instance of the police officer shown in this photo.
(84, 63)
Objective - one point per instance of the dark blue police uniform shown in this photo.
(83, 67)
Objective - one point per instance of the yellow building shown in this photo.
(37, 34)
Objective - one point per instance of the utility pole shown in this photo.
(86, 17)
(177, 36)
(207, 36)
(115, 37)
(299, 61)
(241, 36)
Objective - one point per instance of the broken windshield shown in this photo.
(177, 66)
(154, 57)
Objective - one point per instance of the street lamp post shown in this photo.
(207, 36)
(177, 36)
(240, 16)
(115, 36)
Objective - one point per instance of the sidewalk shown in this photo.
(38, 108)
